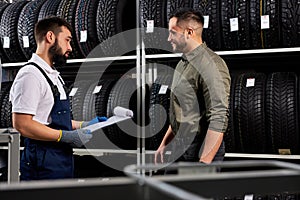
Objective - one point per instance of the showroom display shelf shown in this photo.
(170, 55)
(141, 59)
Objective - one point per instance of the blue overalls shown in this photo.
(49, 160)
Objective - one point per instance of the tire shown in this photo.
(210, 35)
(282, 112)
(95, 104)
(88, 107)
(290, 20)
(122, 94)
(102, 96)
(249, 114)
(85, 20)
(9, 28)
(229, 135)
(229, 39)
(5, 86)
(158, 112)
(156, 41)
(271, 36)
(265, 38)
(243, 13)
(3, 57)
(6, 112)
(66, 10)
(26, 22)
(69, 88)
(255, 31)
(77, 100)
(49, 8)
(173, 5)
(114, 17)
(233, 40)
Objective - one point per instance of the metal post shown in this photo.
(143, 150)
(12, 138)
(13, 158)
(138, 78)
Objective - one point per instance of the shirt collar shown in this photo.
(43, 64)
(197, 51)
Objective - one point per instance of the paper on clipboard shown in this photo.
(120, 114)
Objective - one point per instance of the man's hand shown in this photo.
(162, 147)
(159, 152)
(93, 121)
(76, 138)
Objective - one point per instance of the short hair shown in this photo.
(51, 23)
(187, 14)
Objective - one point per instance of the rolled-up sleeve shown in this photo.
(215, 81)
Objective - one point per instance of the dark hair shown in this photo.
(51, 23)
(187, 14)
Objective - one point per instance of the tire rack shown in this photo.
(12, 138)
(141, 58)
(141, 80)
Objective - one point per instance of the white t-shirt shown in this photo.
(31, 93)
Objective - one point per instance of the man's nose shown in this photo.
(69, 47)
(169, 37)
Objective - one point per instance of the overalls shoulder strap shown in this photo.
(53, 87)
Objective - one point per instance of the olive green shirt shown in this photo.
(200, 93)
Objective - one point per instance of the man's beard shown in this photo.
(58, 58)
(179, 46)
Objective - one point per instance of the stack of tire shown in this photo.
(263, 110)
(263, 117)
(264, 114)
(159, 111)
(5, 109)
(88, 102)
(283, 21)
(99, 19)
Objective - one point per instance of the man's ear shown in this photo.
(50, 37)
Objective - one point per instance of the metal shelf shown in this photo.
(259, 51)
(102, 59)
(233, 52)
(100, 152)
(263, 156)
(170, 55)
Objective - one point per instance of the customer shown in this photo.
(40, 107)
(199, 95)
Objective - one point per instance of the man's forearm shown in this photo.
(168, 136)
(212, 143)
(30, 128)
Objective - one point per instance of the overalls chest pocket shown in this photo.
(60, 113)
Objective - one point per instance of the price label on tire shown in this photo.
(6, 42)
(250, 82)
(234, 24)
(163, 89)
(265, 22)
(73, 92)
